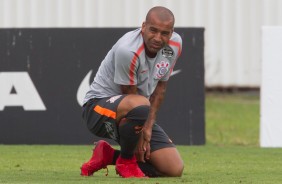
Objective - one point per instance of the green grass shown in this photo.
(231, 155)
(232, 119)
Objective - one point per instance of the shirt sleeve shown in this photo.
(126, 64)
(176, 45)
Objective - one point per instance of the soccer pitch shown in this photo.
(231, 155)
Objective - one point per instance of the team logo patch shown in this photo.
(167, 52)
(162, 69)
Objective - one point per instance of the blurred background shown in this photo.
(232, 27)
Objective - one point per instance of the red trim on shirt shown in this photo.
(133, 64)
(176, 44)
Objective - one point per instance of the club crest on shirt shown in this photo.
(162, 69)
(167, 52)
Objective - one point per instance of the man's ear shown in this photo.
(143, 27)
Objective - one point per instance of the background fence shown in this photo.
(232, 27)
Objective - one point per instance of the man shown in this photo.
(124, 98)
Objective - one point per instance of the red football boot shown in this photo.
(128, 168)
(102, 156)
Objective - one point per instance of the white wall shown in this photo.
(271, 88)
(232, 36)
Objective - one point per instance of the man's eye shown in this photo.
(165, 33)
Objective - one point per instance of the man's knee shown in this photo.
(168, 162)
(130, 105)
(134, 120)
(136, 116)
(139, 113)
(172, 171)
(176, 171)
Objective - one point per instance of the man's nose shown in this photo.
(158, 37)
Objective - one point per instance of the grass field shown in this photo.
(231, 155)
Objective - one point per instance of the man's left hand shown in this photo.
(143, 148)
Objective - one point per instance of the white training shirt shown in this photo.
(127, 64)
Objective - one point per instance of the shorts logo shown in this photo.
(114, 98)
(110, 129)
(162, 69)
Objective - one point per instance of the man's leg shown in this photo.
(161, 147)
(165, 159)
(167, 162)
(100, 117)
(120, 118)
(132, 111)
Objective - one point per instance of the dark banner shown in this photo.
(44, 75)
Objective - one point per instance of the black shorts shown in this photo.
(100, 117)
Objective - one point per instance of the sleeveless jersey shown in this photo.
(127, 64)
